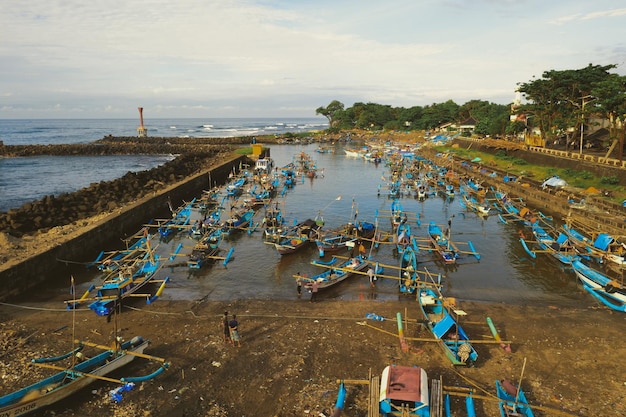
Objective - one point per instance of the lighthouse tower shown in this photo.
(142, 132)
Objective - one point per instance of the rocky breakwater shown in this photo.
(106, 196)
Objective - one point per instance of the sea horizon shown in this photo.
(27, 179)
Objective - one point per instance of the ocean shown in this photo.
(23, 180)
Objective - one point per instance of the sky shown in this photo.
(286, 58)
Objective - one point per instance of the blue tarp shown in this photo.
(603, 241)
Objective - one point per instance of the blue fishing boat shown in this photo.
(409, 277)
(335, 273)
(125, 283)
(600, 246)
(512, 400)
(438, 313)
(72, 379)
(180, 219)
(442, 245)
(558, 247)
(606, 290)
(238, 220)
(404, 392)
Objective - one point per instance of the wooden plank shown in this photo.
(374, 409)
(436, 398)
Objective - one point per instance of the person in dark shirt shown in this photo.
(234, 331)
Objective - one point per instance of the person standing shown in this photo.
(234, 331)
(370, 273)
(226, 328)
(314, 291)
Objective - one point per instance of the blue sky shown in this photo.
(285, 58)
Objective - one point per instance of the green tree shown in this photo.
(330, 111)
(611, 103)
(557, 99)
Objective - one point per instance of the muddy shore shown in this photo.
(293, 353)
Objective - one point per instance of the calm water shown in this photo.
(27, 179)
(505, 272)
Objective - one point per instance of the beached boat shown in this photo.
(438, 314)
(335, 273)
(72, 379)
(606, 290)
(512, 400)
(404, 392)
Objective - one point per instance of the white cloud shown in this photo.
(263, 58)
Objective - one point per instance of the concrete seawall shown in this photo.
(45, 266)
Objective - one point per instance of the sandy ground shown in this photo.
(294, 352)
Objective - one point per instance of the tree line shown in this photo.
(559, 103)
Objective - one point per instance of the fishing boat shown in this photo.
(335, 272)
(273, 222)
(111, 260)
(442, 245)
(606, 290)
(333, 242)
(473, 204)
(299, 236)
(601, 246)
(264, 165)
(180, 219)
(558, 247)
(71, 379)
(236, 187)
(207, 250)
(512, 400)
(408, 276)
(238, 220)
(438, 313)
(124, 284)
(404, 392)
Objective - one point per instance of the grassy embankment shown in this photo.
(581, 180)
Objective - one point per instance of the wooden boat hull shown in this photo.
(66, 383)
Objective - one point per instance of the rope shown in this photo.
(182, 313)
